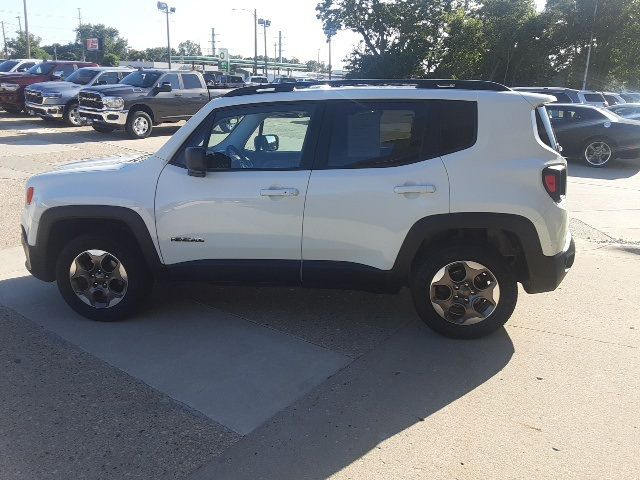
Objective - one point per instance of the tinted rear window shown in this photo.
(593, 97)
(562, 97)
(458, 123)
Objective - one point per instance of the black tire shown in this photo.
(13, 110)
(606, 141)
(131, 128)
(139, 285)
(102, 128)
(429, 265)
(68, 115)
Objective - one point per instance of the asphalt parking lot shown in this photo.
(278, 383)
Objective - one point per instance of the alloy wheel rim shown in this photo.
(140, 125)
(597, 153)
(464, 292)
(98, 278)
(74, 116)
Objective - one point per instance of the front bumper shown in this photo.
(36, 261)
(546, 273)
(109, 117)
(49, 111)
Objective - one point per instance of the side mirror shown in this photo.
(266, 143)
(164, 87)
(196, 160)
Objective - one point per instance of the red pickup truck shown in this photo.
(12, 86)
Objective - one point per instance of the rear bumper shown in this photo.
(114, 118)
(35, 260)
(49, 111)
(546, 273)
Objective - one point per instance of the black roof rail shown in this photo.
(418, 83)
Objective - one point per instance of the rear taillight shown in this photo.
(29, 198)
(554, 179)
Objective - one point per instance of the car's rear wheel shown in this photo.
(102, 277)
(102, 128)
(139, 124)
(463, 291)
(598, 152)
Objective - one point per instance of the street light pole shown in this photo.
(265, 23)
(26, 29)
(255, 36)
(586, 68)
(164, 8)
(330, 32)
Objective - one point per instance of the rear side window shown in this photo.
(593, 97)
(611, 99)
(545, 130)
(561, 97)
(376, 134)
(458, 125)
(190, 81)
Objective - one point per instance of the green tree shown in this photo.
(189, 48)
(110, 37)
(17, 47)
(111, 60)
(69, 51)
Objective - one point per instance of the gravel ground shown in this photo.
(68, 415)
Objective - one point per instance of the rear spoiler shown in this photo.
(536, 99)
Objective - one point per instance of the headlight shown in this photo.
(116, 103)
(10, 87)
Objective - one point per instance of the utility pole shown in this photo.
(255, 41)
(19, 24)
(586, 69)
(80, 35)
(4, 38)
(26, 28)
(265, 23)
(213, 42)
(279, 46)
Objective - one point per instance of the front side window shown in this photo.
(190, 81)
(372, 134)
(259, 138)
(108, 78)
(171, 78)
(141, 79)
(64, 70)
(43, 68)
(82, 76)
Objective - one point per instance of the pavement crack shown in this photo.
(573, 336)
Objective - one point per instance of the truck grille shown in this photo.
(33, 97)
(90, 100)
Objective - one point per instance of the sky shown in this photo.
(143, 26)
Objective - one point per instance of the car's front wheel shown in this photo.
(598, 152)
(71, 116)
(102, 277)
(463, 291)
(139, 124)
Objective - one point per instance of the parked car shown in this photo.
(593, 134)
(627, 110)
(416, 187)
(563, 95)
(17, 65)
(613, 98)
(142, 99)
(631, 97)
(284, 80)
(589, 97)
(12, 86)
(256, 80)
(59, 100)
(220, 80)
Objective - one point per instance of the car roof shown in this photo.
(572, 105)
(541, 89)
(102, 69)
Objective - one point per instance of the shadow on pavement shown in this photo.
(405, 380)
(617, 169)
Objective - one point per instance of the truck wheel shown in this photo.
(102, 128)
(464, 291)
(71, 116)
(14, 110)
(102, 278)
(139, 124)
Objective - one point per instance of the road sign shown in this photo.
(93, 44)
(223, 55)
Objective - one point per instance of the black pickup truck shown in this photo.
(144, 98)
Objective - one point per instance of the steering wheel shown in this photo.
(238, 160)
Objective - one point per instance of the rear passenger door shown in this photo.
(379, 174)
(194, 94)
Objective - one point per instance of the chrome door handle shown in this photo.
(279, 192)
(404, 189)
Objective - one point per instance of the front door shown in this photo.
(246, 213)
(194, 94)
(169, 106)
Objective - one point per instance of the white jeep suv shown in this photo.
(454, 189)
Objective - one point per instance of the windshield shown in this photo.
(8, 65)
(141, 79)
(82, 76)
(42, 69)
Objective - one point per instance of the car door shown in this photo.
(378, 175)
(194, 94)
(168, 105)
(245, 216)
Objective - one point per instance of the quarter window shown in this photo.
(191, 81)
(458, 125)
